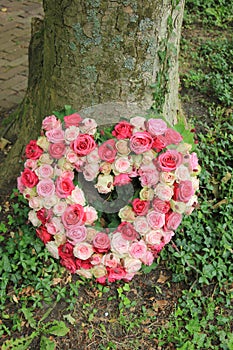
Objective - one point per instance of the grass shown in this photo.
(185, 301)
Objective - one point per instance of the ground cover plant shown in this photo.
(184, 300)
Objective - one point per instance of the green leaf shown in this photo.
(19, 343)
(47, 344)
(29, 317)
(6, 263)
(58, 328)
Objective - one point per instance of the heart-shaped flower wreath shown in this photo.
(105, 201)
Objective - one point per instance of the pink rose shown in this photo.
(101, 242)
(71, 133)
(111, 260)
(83, 250)
(91, 215)
(141, 142)
(96, 259)
(45, 171)
(107, 151)
(93, 157)
(161, 206)
(140, 207)
(71, 156)
(159, 143)
(57, 150)
(77, 196)
(90, 171)
(31, 164)
(76, 235)
(29, 178)
(154, 237)
(122, 130)
(173, 137)
(59, 208)
(138, 249)
(73, 216)
(182, 173)
(122, 165)
(64, 187)
(148, 258)
(121, 179)
(173, 220)
(138, 123)
(83, 145)
(116, 273)
(55, 135)
(164, 192)
(54, 226)
(51, 122)
(88, 126)
(119, 245)
(183, 191)
(33, 151)
(45, 188)
(69, 264)
(156, 126)
(127, 231)
(141, 225)
(155, 220)
(122, 147)
(194, 161)
(169, 161)
(72, 119)
(20, 185)
(149, 175)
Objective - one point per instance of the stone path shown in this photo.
(15, 33)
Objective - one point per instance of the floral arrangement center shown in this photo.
(105, 201)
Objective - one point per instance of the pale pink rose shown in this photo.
(57, 150)
(93, 157)
(155, 220)
(88, 126)
(67, 174)
(59, 208)
(111, 260)
(138, 249)
(122, 147)
(178, 207)
(35, 203)
(173, 137)
(49, 202)
(132, 265)
(71, 133)
(122, 165)
(169, 160)
(127, 214)
(71, 156)
(20, 185)
(101, 242)
(183, 191)
(127, 231)
(119, 245)
(96, 259)
(55, 226)
(149, 175)
(104, 184)
(195, 182)
(148, 258)
(32, 217)
(76, 235)
(138, 123)
(99, 271)
(90, 171)
(91, 215)
(45, 188)
(148, 157)
(167, 178)
(77, 196)
(83, 250)
(167, 236)
(31, 164)
(164, 192)
(141, 225)
(45, 171)
(154, 237)
(121, 179)
(51, 122)
(91, 233)
(52, 249)
(128, 277)
(141, 142)
(194, 161)
(173, 220)
(156, 126)
(72, 120)
(182, 173)
(55, 135)
(79, 164)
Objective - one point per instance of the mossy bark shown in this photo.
(87, 52)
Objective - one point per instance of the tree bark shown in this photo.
(88, 52)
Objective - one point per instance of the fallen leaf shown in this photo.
(4, 9)
(15, 299)
(3, 143)
(160, 304)
(162, 278)
(223, 201)
(226, 178)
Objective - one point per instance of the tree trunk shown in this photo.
(88, 52)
